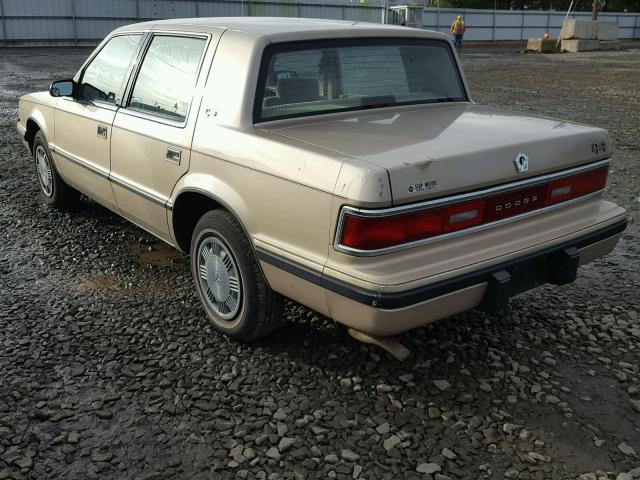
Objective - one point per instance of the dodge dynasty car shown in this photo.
(342, 165)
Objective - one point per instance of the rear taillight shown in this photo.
(577, 186)
(374, 232)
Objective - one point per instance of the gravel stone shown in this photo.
(485, 387)
(392, 442)
(24, 462)
(101, 455)
(383, 388)
(349, 455)
(331, 458)
(446, 453)
(383, 429)
(626, 449)
(285, 444)
(635, 472)
(357, 470)
(429, 468)
(274, 453)
(280, 414)
(442, 385)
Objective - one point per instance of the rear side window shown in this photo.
(311, 78)
(167, 77)
(103, 79)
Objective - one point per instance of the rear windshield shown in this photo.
(311, 78)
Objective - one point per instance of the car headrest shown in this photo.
(294, 90)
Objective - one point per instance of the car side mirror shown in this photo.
(62, 88)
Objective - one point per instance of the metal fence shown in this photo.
(520, 24)
(88, 21)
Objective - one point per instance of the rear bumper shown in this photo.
(389, 312)
(526, 272)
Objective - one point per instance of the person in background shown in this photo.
(458, 28)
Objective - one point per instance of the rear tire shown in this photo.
(230, 284)
(53, 190)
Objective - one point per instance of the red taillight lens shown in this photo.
(373, 233)
(574, 187)
(370, 233)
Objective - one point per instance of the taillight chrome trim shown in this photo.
(464, 197)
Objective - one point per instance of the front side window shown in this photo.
(104, 77)
(167, 77)
(304, 78)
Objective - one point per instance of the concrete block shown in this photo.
(581, 29)
(610, 45)
(541, 45)
(579, 45)
(607, 31)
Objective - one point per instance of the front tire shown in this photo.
(230, 284)
(53, 190)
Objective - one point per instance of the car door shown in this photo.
(151, 137)
(82, 140)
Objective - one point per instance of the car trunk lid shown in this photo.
(436, 150)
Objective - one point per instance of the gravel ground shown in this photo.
(109, 369)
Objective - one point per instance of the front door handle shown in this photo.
(173, 155)
(102, 131)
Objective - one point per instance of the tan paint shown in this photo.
(287, 180)
(307, 293)
(462, 147)
(376, 321)
(139, 149)
(39, 107)
(253, 197)
(79, 138)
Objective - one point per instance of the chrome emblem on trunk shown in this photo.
(522, 162)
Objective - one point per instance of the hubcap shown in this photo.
(45, 173)
(219, 278)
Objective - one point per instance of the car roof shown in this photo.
(277, 26)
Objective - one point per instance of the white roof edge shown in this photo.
(277, 28)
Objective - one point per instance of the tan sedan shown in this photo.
(343, 165)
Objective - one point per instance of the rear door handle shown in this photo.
(102, 131)
(173, 155)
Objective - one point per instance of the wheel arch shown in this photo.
(36, 121)
(30, 134)
(189, 206)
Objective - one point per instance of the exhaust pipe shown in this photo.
(390, 344)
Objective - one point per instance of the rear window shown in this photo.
(311, 78)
